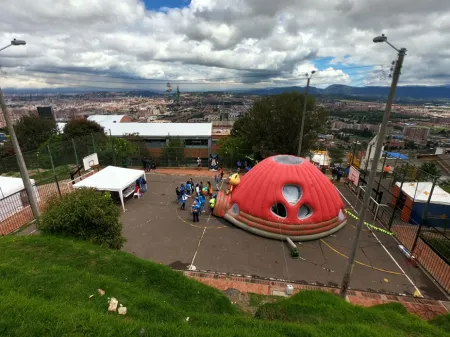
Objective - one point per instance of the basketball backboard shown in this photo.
(90, 161)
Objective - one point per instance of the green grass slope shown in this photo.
(45, 284)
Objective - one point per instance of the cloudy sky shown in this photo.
(220, 44)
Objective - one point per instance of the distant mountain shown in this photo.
(403, 93)
(411, 92)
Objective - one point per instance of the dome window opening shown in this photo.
(287, 160)
(304, 212)
(292, 193)
(279, 210)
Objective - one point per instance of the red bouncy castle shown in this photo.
(283, 196)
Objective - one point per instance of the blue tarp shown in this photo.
(396, 155)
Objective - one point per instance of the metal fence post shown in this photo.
(75, 151)
(391, 220)
(424, 215)
(51, 159)
(382, 173)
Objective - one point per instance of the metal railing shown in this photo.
(424, 234)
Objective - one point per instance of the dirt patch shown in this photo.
(249, 302)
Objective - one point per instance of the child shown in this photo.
(177, 191)
(143, 184)
(202, 202)
(195, 211)
(188, 187)
(208, 184)
(212, 204)
(137, 190)
(183, 201)
(197, 190)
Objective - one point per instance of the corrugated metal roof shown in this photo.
(160, 129)
(101, 119)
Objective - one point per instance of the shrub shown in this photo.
(85, 214)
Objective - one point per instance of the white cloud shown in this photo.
(91, 40)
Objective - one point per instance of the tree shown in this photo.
(33, 130)
(123, 149)
(173, 153)
(428, 171)
(6, 150)
(233, 148)
(82, 127)
(272, 125)
(336, 154)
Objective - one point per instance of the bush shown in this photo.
(86, 215)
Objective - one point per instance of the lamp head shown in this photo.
(18, 42)
(379, 39)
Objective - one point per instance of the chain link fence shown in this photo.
(411, 203)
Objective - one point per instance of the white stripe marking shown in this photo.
(390, 255)
(191, 266)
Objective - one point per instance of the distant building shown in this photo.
(416, 133)
(46, 112)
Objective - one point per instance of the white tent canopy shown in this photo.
(113, 179)
(420, 192)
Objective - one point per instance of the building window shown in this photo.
(196, 143)
(155, 143)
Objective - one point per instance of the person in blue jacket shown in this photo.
(202, 202)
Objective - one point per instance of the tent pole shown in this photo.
(121, 199)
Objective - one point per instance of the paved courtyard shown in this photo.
(156, 229)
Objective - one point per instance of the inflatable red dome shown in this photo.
(284, 196)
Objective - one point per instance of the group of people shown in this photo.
(246, 166)
(147, 164)
(200, 193)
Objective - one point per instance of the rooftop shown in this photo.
(160, 129)
(102, 119)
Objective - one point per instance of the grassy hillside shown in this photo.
(45, 284)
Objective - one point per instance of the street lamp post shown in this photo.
(14, 43)
(374, 167)
(15, 143)
(300, 141)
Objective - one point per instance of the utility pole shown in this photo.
(20, 161)
(300, 141)
(374, 167)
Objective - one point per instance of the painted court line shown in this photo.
(191, 266)
(385, 249)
